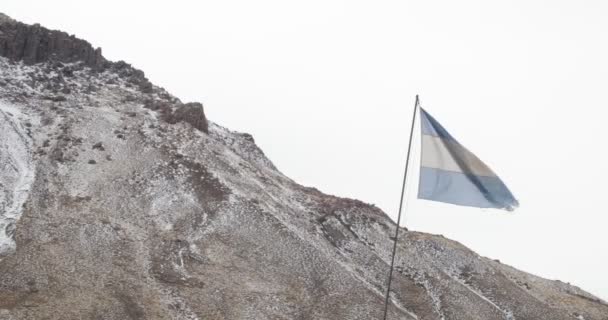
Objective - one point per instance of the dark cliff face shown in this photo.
(33, 44)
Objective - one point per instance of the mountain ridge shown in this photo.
(141, 208)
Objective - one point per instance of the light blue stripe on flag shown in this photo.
(462, 189)
(450, 173)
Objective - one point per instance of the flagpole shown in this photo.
(407, 162)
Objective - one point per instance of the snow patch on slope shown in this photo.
(16, 171)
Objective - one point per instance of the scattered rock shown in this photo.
(58, 155)
(98, 146)
(90, 89)
(68, 72)
(55, 98)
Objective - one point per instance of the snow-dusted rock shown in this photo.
(16, 171)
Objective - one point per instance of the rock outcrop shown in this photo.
(192, 113)
(125, 203)
(33, 44)
(4, 18)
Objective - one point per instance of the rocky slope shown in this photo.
(118, 201)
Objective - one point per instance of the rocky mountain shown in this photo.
(118, 201)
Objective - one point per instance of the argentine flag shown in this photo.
(451, 173)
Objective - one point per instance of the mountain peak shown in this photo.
(34, 44)
(66, 54)
(118, 201)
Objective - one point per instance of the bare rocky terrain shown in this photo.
(118, 201)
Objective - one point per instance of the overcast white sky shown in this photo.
(327, 89)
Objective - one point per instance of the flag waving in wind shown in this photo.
(451, 173)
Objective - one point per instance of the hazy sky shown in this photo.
(327, 89)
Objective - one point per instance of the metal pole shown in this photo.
(407, 162)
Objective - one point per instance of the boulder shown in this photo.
(192, 113)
